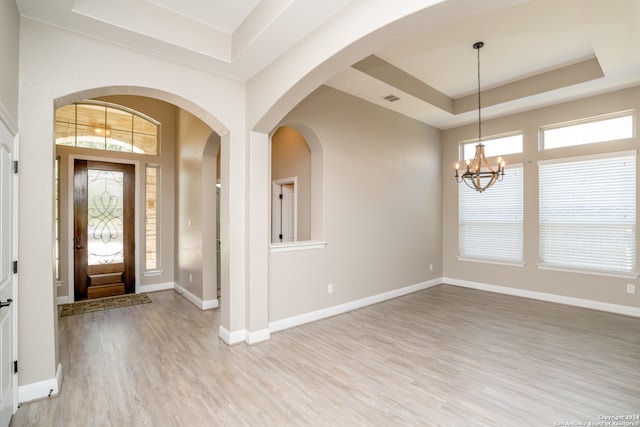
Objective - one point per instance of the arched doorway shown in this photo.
(189, 134)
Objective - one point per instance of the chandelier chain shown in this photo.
(479, 113)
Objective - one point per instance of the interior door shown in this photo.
(287, 218)
(283, 213)
(104, 217)
(7, 310)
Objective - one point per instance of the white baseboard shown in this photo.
(202, 305)
(243, 336)
(542, 296)
(257, 336)
(63, 300)
(156, 287)
(41, 389)
(231, 337)
(312, 316)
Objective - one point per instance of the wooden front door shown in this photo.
(104, 216)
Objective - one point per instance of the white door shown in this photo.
(284, 211)
(288, 216)
(7, 377)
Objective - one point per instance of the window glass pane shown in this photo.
(492, 234)
(144, 144)
(66, 114)
(151, 217)
(588, 133)
(588, 214)
(495, 147)
(87, 138)
(141, 125)
(57, 216)
(65, 133)
(91, 115)
(105, 127)
(118, 119)
(119, 141)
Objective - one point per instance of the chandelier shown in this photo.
(479, 175)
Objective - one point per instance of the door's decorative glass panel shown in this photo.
(105, 216)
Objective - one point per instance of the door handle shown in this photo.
(79, 247)
(6, 303)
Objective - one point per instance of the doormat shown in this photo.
(103, 304)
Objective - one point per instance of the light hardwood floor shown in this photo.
(444, 356)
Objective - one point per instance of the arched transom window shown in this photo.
(105, 126)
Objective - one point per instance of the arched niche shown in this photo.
(316, 186)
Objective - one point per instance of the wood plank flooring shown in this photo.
(445, 356)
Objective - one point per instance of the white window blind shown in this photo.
(588, 213)
(490, 223)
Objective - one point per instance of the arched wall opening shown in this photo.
(288, 157)
(188, 217)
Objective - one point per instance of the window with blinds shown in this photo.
(490, 223)
(588, 213)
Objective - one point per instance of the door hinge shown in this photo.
(15, 366)
(281, 196)
(15, 166)
(280, 236)
(15, 267)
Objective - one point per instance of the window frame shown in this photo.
(461, 256)
(107, 106)
(474, 141)
(158, 259)
(586, 120)
(558, 266)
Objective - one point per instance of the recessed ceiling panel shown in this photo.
(225, 15)
(520, 41)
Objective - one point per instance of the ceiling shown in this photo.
(536, 53)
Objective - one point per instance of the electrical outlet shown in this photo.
(631, 289)
(330, 288)
(190, 277)
(430, 267)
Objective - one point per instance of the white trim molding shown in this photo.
(542, 296)
(231, 337)
(155, 287)
(297, 246)
(257, 336)
(41, 389)
(63, 300)
(323, 313)
(8, 120)
(243, 335)
(202, 305)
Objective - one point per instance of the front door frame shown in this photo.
(137, 221)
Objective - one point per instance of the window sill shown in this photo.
(490, 261)
(151, 273)
(630, 275)
(297, 246)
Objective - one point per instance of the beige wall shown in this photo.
(291, 157)
(192, 136)
(530, 278)
(382, 211)
(9, 48)
(164, 113)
